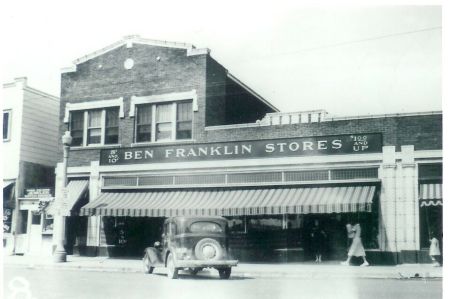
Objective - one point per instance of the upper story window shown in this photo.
(95, 127)
(94, 122)
(164, 121)
(6, 125)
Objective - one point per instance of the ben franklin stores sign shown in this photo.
(285, 147)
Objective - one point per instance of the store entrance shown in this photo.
(129, 236)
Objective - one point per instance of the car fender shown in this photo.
(153, 255)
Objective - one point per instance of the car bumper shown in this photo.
(205, 264)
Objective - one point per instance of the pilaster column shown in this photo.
(388, 236)
(408, 200)
(93, 229)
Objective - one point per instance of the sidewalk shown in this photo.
(290, 270)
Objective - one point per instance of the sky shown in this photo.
(347, 60)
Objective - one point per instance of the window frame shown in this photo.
(8, 129)
(102, 127)
(174, 98)
(154, 122)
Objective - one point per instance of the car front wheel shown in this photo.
(172, 272)
(147, 264)
(224, 273)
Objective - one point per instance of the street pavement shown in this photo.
(292, 270)
(37, 283)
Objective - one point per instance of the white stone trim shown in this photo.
(201, 51)
(130, 40)
(69, 69)
(168, 97)
(382, 115)
(234, 126)
(428, 154)
(94, 105)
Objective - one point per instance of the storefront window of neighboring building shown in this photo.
(237, 224)
(164, 122)
(102, 127)
(430, 209)
(6, 125)
(47, 227)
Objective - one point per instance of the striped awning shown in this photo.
(430, 195)
(75, 190)
(226, 202)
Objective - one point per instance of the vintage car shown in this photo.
(191, 243)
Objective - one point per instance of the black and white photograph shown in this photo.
(232, 149)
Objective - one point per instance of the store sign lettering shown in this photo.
(286, 147)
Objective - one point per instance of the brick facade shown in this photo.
(157, 70)
(222, 102)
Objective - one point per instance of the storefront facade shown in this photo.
(148, 147)
(29, 157)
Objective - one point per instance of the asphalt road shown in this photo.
(46, 284)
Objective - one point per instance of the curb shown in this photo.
(248, 274)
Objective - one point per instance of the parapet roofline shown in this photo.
(136, 39)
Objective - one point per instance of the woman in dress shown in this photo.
(357, 248)
(435, 252)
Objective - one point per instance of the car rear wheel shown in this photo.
(172, 272)
(224, 273)
(147, 264)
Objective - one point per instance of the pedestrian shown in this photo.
(357, 248)
(318, 238)
(435, 252)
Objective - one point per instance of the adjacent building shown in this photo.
(29, 156)
(162, 129)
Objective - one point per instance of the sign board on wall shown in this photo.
(269, 148)
(38, 193)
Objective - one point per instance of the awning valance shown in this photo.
(75, 190)
(430, 194)
(226, 202)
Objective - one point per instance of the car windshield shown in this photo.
(205, 227)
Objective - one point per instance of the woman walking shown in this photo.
(435, 252)
(357, 248)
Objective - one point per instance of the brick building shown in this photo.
(162, 129)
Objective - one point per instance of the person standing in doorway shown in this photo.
(318, 238)
(435, 252)
(357, 248)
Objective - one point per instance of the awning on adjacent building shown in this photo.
(8, 194)
(430, 195)
(226, 202)
(6, 183)
(75, 190)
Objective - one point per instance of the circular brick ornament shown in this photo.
(128, 64)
